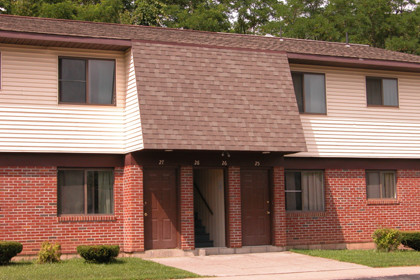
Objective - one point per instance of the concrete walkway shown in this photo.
(280, 265)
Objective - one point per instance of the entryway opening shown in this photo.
(209, 208)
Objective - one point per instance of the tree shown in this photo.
(206, 15)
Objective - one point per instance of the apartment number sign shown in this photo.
(224, 163)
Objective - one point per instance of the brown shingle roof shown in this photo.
(210, 91)
(118, 31)
(216, 99)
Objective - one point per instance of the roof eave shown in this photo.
(353, 62)
(49, 40)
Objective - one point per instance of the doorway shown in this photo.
(160, 208)
(209, 207)
(256, 209)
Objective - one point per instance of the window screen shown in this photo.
(89, 81)
(85, 191)
(310, 92)
(304, 190)
(381, 91)
(381, 184)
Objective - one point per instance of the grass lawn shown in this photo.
(370, 258)
(122, 268)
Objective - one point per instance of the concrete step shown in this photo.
(243, 250)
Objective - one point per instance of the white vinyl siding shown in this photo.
(353, 129)
(31, 120)
(133, 132)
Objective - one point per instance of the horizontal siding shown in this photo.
(133, 133)
(31, 120)
(351, 128)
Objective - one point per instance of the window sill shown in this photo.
(382, 202)
(306, 214)
(86, 104)
(86, 218)
(383, 106)
(312, 114)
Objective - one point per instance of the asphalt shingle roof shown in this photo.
(119, 31)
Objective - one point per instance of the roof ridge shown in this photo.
(174, 29)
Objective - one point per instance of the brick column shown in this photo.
(279, 207)
(133, 206)
(234, 208)
(187, 208)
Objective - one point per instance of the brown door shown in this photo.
(160, 210)
(255, 198)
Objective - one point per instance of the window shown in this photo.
(381, 184)
(304, 190)
(85, 191)
(310, 92)
(381, 91)
(88, 81)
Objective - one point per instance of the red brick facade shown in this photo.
(349, 217)
(28, 210)
(279, 215)
(133, 216)
(234, 208)
(187, 208)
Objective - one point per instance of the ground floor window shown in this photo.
(85, 191)
(381, 184)
(304, 190)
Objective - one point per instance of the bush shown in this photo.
(387, 239)
(9, 249)
(411, 239)
(49, 253)
(99, 253)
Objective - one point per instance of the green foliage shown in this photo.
(9, 249)
(370, 258)
(387, 239)
(98, 253)
(49, 253)
(206, 16)
(411, 239)
(148, 12)
(77, 268)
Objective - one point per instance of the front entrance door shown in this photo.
(255, 198)
(160, 210)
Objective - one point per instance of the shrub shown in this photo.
(387, 239)
(49, 253)
(9, 249)
(98, 253)
(411, 239)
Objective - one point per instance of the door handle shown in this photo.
(145, 214)
(268, 212)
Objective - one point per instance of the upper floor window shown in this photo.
(381, 184)
(85, 191)
(304, 190)
(86, 81)
(310, 92)
(382, 91)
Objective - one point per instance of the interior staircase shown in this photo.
(202, 238)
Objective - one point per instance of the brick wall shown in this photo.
(279, 214)
(187, 208)
(28, 212)
(349, 217)
(133, 211)
(234, 208)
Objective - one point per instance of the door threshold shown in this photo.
(242, 250)
(167, 253)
